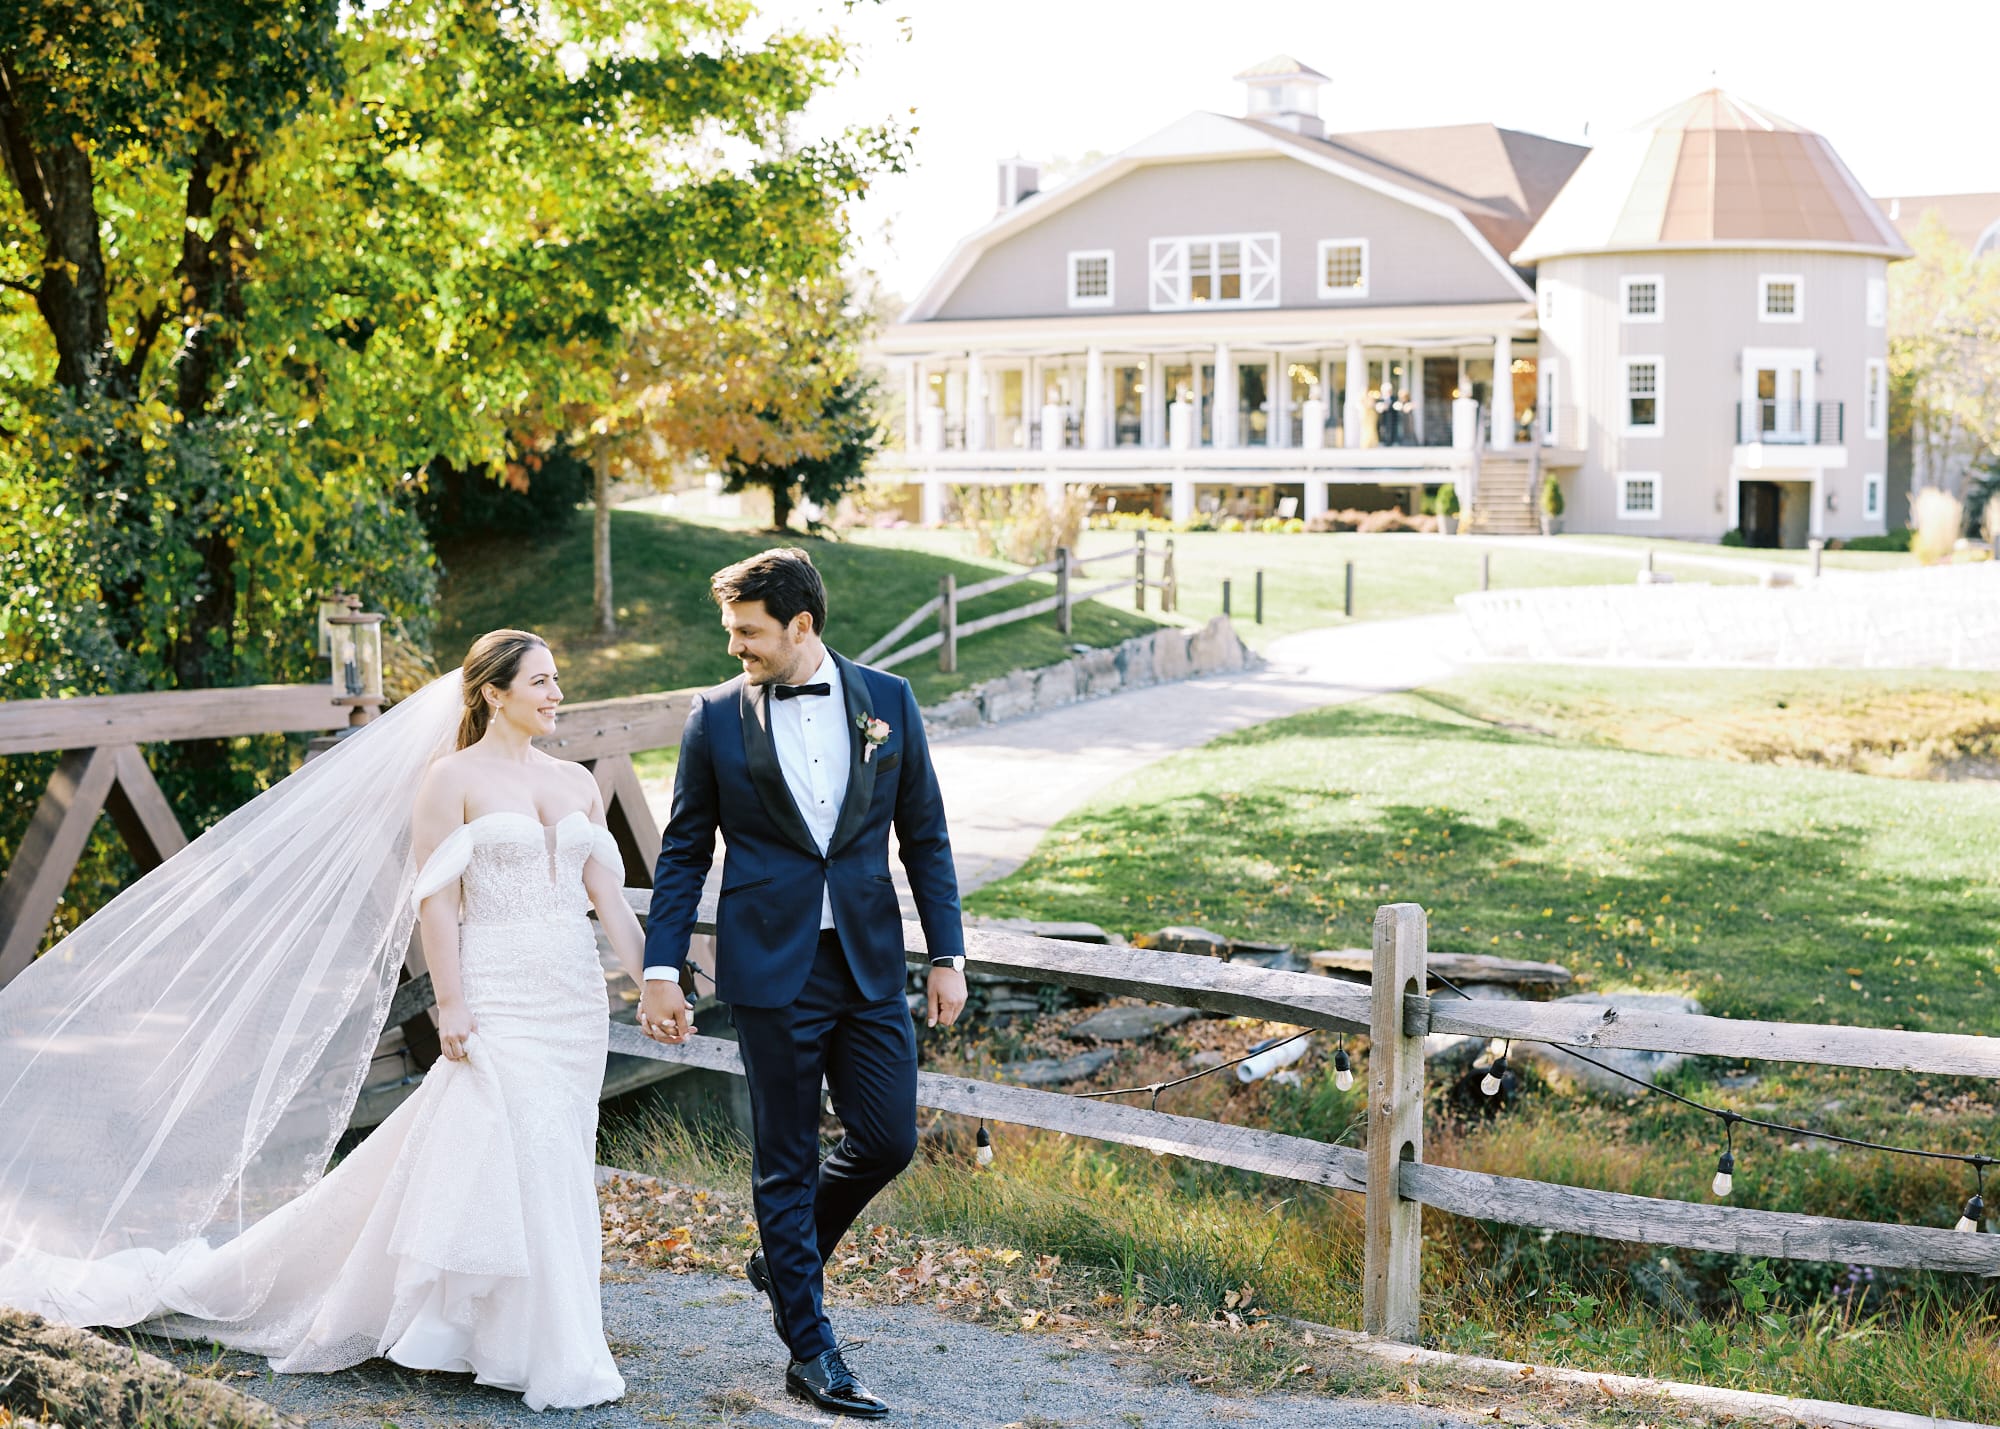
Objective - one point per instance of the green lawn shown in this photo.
(1831, 560)
(1766, 891)
(669, 636)
(1304, 575)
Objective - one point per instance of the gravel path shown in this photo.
(698, 1350)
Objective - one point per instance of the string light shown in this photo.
(1725, 1168)
(1974, 1214)
(1490, 1083)
(1343, 1069)
(984, 1142)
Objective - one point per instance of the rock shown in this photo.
(1184, 939)
(1006, 698)
(1054, 1071)
(1097, 672)
(1216, 647)
(1206, 1060)
(1135, 663)
(1064, 932)
(1170, 655)
(1055, 686)
(1129, 1024)
(1264, 955)
(1568, 1073)
(958, 712)
(1013, 1006)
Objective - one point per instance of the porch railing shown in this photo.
(1781, 423)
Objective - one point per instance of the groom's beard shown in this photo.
(799, 667)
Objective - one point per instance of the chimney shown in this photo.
(1019, 178)
(1283, 92)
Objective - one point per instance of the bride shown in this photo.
(174, 1074)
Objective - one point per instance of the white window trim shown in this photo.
(1871, 496)
(1110, 277)
(1764, 282)
(1874, 410)
(1319, 271)
(1625, 478)
(1625, 312)
(1178, 272)
(1625, 366)
(1878, 302)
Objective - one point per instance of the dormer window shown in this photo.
(1343, 267)
(1090, 278)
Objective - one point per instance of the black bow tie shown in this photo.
(792, 692)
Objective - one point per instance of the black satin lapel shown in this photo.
(760, 752)
(860, 770)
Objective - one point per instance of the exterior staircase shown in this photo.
(1504, 503)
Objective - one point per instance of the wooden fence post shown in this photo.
(1393, 1272)
(1062, 589)
(1347, 600)
(948, 624)
(1139, 574)
(1170, 589)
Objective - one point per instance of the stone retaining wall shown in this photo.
(1158, 657)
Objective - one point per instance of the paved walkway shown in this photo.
(1005, 785)
(698, 1350)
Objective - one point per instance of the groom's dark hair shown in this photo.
(784, 578)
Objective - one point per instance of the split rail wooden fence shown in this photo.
(884, 654)
(1396, 1013)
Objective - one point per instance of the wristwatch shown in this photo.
(956, 962)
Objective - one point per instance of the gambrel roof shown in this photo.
(1490, 182)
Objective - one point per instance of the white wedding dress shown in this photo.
(463, 1233)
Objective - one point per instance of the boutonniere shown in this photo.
(874, 732)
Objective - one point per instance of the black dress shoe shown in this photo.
(827, 1381)
(759, 1275)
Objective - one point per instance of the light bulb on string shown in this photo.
(1974, 1214)
(1725, 1169)
(984, 1142)
(1343, 1069)
(1489, 1084)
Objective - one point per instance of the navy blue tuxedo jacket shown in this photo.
(767, 924)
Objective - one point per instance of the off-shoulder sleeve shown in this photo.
(604, 848)
(446, 863)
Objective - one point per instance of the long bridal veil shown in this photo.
(183, 1063)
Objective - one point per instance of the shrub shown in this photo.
(1940, 517)
(1018, 523)
(1734, 537)
(1898, 540)
(1445, 503)
(1552, 496)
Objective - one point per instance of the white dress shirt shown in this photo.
(815, 753)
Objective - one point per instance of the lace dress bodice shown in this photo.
(515, 869)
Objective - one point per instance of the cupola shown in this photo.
(1284, 92)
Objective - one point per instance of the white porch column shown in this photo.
(1417, 396)
(975, 402)
(1502, 405)
(1183, 497)
(1281, 401)
(913, 386)
(1153, 407)
(933, 507)
(1315, 495)
(1223, 404)
(1093, 399)
(1356, 400)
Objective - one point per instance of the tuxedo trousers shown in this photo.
(866, 1050)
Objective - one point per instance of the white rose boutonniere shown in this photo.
(874, 733)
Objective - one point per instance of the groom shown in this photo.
(804, 762)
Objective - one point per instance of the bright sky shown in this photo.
(1904, 92)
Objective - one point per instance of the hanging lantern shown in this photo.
(354, 649)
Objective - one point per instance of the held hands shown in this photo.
(945, 996)
(664, 1015)
(455, 1024)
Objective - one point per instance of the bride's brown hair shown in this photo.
(494, 659)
